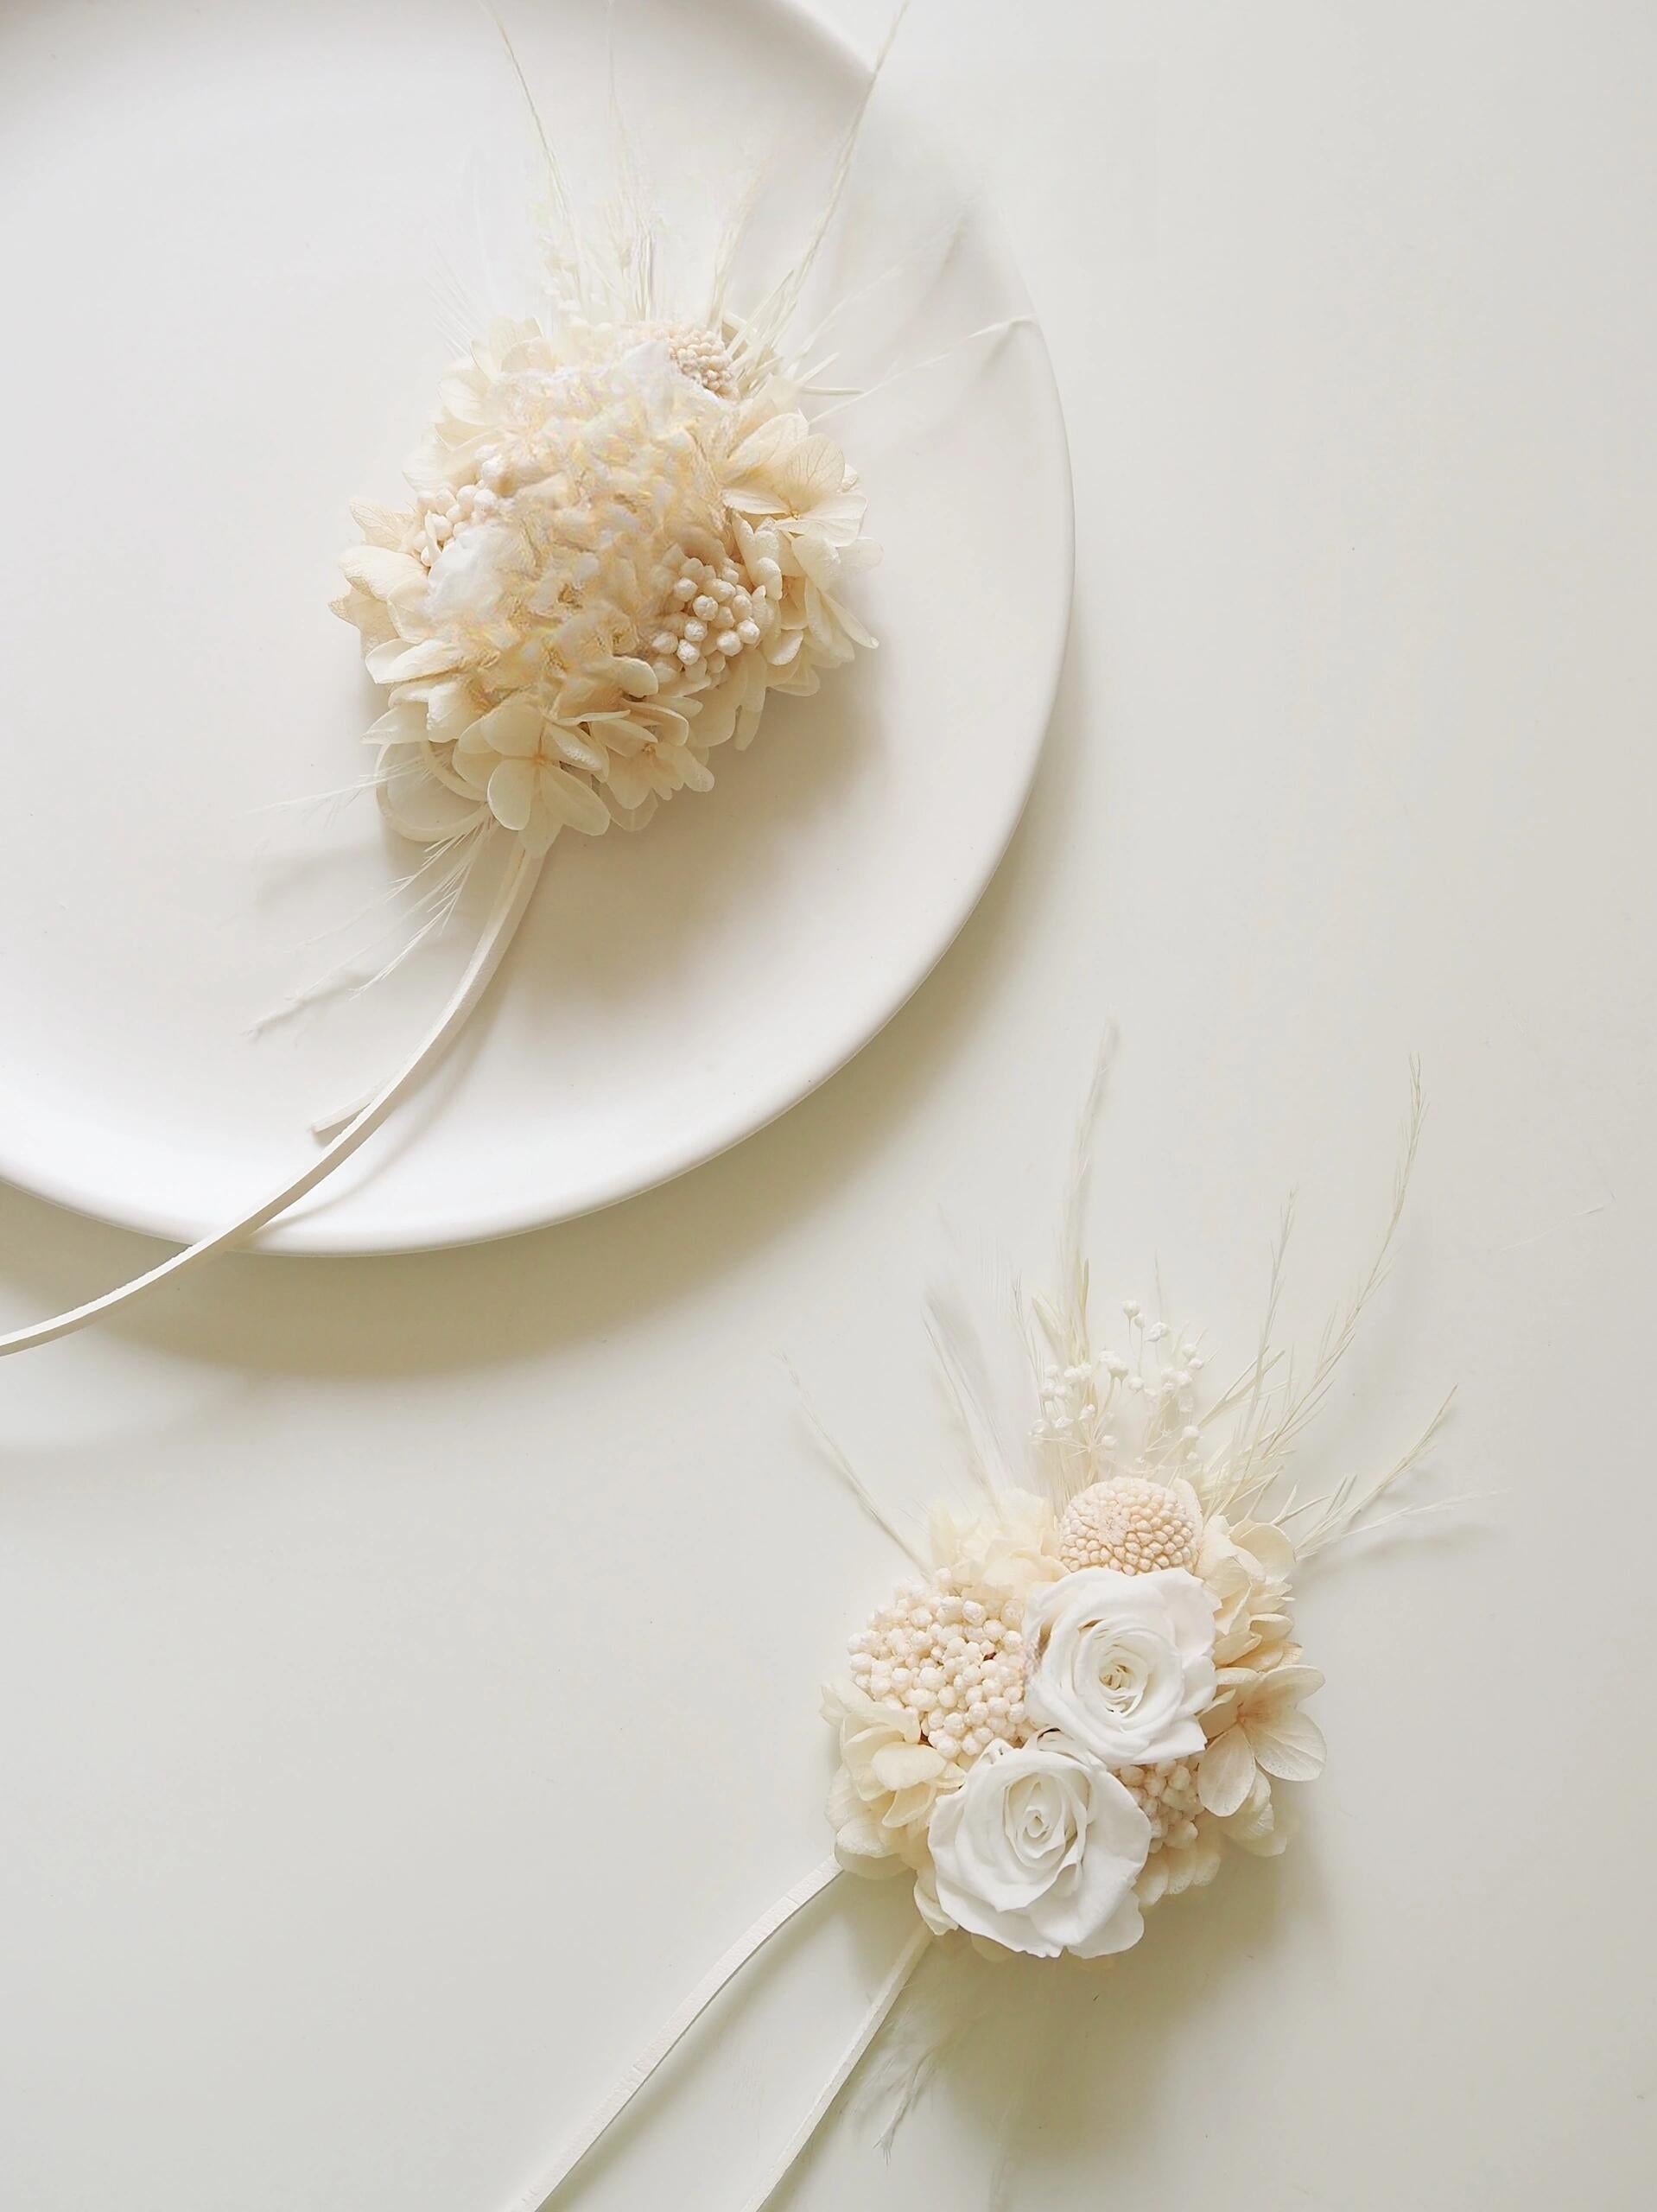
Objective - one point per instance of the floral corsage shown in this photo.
(1091, 1689)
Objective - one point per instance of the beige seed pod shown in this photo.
(702, 355)
(1132, 1525)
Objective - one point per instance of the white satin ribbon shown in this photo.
(870, 2026)
(510, 901)
(621, 2094)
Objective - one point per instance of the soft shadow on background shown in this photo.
(1039, 2068)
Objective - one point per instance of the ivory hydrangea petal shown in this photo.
(402, 725)
(1266, 1730)
(900, 1766)
(512, 728)
(874, 1818)
(629, 781)
(396, 661)
(451, 710)
(574, 801)
(1288, 1744)
(1227, 1773)
(424, 806)
(384, 570)
(380, 525)
(579, 751)
(1257, 1826)
(512, 793)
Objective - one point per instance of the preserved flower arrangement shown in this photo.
(625, 535)
(1091, 1690)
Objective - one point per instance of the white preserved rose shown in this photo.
(1122, 1665)
(1039, 1851)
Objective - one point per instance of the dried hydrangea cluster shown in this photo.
(625, 537)
(1094, 1690)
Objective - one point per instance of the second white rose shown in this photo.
(1122, 1665)
(1038, 1851)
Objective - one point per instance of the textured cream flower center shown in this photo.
(1132, 1525)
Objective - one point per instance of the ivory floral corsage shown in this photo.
(1091, 1690)
(625, 536)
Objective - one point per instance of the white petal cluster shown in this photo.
(1255, 1730)
(887, 1781)
(621, 545)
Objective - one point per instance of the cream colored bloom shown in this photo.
(888, 1782)
(517, 758)
(1013, 1549)
(1175, 1867)
(1255, 1723)
(1258, 1825)
(621, 543)
(1246, 1571)
(797, 482)
(1039, 1851)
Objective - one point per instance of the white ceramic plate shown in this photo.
(224, 235)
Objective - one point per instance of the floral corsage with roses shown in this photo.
(1091, 1689)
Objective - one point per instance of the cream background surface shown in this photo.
(408, 1667)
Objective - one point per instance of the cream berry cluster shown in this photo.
(952, 1654)
(712, 613)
